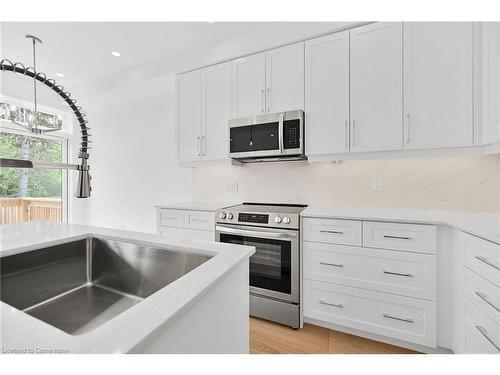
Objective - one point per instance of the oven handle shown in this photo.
(255, 233)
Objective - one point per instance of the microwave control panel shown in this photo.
(291, 134)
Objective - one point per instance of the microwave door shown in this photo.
(257, 140)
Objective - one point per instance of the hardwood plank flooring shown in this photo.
(272, 338)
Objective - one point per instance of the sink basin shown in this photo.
(78, 286)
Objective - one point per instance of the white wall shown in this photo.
(447, 183)
(133, 157)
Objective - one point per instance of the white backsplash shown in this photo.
(445, 183)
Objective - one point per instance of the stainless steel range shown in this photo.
(274, 268)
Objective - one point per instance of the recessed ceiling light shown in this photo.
(60, 75)
(116, 53)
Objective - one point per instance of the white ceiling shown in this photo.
(82, 51)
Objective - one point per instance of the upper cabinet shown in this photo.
(269, 82)
(249, 85)
(438, 81)
(285, 78)
(327, 94)
(376, 87)
(216, 111)
(188, 97)
(491, 82)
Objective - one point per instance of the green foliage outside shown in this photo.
(41, 182)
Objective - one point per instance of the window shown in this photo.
(32, 194)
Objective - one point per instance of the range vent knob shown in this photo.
(286, 220)
(277, 219)
(222, 215)
(229, 216)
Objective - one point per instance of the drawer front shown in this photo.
(481, 256)
(201, 220)
(397, 236)
(344, 232)
(407, 274)
(482, 293)
(485, 329)
(471, 344)
(403, 318)
(171, 218)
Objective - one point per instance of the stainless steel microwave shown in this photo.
(271, 137)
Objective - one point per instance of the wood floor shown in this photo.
(271, 338)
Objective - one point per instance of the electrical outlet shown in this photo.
(231, 186)
(377, 184)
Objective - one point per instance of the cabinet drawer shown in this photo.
(201, 220)
(403, 318)
(485, 329)
(192, 234)
(482, 293)
(471, 344)
(344, 232)
(481, 256)
(397, 236)
(171, 218)
(407, 274)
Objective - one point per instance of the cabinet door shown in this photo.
(216, 111)
(376, 87)
(188, 87)
(327, 94)
(438, 84)
(491, 82)
(249, 82)
(285, 78)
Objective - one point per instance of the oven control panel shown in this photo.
(253, 218)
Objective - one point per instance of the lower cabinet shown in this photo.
(386, 287)
(198, 225)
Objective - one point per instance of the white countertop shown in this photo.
(122, 333)
(195, 206)
(481, 224)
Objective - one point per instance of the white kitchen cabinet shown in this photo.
(491, 82)
(327, 94)
(216, 111)
(193, 224)
(438, 81)
(376, 87)
(285, 78)
(188, 89)
(249, 85)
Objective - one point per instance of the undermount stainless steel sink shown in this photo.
(79, 285)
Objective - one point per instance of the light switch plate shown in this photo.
(231, 186)
(377, 184)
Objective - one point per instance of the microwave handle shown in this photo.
(280, 130)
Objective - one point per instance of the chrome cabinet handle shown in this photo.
(408, 137)
(169, 217)
(339, 305)
(199, 220)
(332, 264)
(268, 99)
(407, 320)
(262, 100)
(198, 146)
(203, 146)
(485, 299)
(487, 262)
(397, 237)
(398, 273)
(331, 231)
(484, 332)
(346, 130)
(353, 133)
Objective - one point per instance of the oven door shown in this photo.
(274, 268)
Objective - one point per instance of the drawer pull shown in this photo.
(398, 273)
(331, 231)
(485, 299)
(397, 237)
(407, 320)
(484, 332)
(169, 218)
(339, 305)
(487, 262)
(331, 264)
(199, 220)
